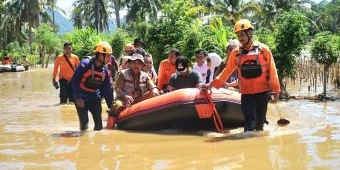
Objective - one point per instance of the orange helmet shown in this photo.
(242, 24)
(103, 47)
(129, 47)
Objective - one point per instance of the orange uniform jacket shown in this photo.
(6, 61)
(164, 73)
(65, 70)
(254, 85)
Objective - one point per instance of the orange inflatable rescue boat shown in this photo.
(186, 109)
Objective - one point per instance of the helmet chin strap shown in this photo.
(245, 31)
(101, 62)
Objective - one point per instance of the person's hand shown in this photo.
(155, 92)
(129, 100)
(226, 85)
(205, 87)
(80, 103)
(53, 82)
(274, 97)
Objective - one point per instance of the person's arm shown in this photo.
(152, 87)
(273, 77)
(55, 69)
(161, 77)
(198, 80)
(119, 84)
(78, 73)
(171, 83)
(107, 90)
(115, 64)
(232, 84)
(154, 73)
(231, 66)
(76, 61)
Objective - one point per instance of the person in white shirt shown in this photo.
(214, 61)
(202, 67)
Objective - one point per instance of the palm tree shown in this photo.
(233, 10)
(272, 8)
(93, 14)
(142, 9)
(51, 5)
(117, 5)
(20, 14)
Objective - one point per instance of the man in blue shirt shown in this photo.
(90, 81)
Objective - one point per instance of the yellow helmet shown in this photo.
(242, 24)
(103, 47)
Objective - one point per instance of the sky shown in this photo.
(66, 5)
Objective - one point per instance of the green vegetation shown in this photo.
(325, 50)
(286, 27)
(291, 29)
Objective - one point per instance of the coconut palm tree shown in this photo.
(272, 8)
(93, 14)
(117, 6)
(142, 9)
(233, 10)
(52, 6)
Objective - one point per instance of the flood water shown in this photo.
(30, 116)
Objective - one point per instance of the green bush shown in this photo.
(118, 43)
(83, 41)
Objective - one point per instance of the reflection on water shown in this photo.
(30, 115)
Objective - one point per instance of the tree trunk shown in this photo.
(53, 20)
(337, 76)
(42, 57)
(30, 37)
(97, 18)
(284, 92)
(117, 8)
(325, 71)
(48, 60)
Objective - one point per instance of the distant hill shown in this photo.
(65, 25)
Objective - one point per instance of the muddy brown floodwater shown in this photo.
(30, 115)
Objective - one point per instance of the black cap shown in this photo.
(184, 61)
(138, 40)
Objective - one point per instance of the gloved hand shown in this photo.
(55, 84)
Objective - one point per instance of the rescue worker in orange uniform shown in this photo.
(256, 73)
(90, 81)
(166, 68)
(6, 60)
(66, 63)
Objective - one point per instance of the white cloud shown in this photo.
(66, 5)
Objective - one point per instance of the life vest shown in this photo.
(92, 79)
(138, 89)
(6, 60)
(253, 72)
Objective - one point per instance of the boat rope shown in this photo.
(216, 117)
